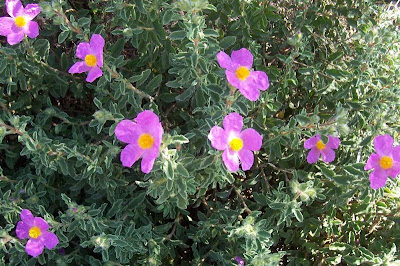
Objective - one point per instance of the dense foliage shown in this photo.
(333, 68)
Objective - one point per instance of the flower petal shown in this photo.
(373, 162)
(234, 122)
(5, 25)
(224, 61)
(249, 89)
(27, 217)
(15, 37)
(396, 153)
(246, 158)
(218, 138)
(311, 142)
(127, 131)
(231, 160)
(34, 247)
(130, 154)
(383, 144)
(242, 57)
(30, 11)
(378, 178)
(97, 45)
(328, 155)
(78, 67)
(232, 79)
(14, 7)
(50, 240)
(41, 223)
(260, 79)
(149, 122)
(252, 140)
(333, 142)
(82, 50)
(32, 30)
(394, 171)
(22, 230)
(149, 156)
(94, 73)
(313, 155)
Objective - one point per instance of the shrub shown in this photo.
(333, 69)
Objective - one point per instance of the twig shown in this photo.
(242, 200)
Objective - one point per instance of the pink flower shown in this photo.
(143, 137)
(386, 162)
(318, 147)
(92, 56)
(235, 143)
(239, 73)
(35, 228)
(239, 260)
(20, 23)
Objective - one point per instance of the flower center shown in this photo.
(20, 21)
(90, 60)
(386, 162)
(34, 232)
(242, 73)
(145, 141)
(320, 145)
(236, 144)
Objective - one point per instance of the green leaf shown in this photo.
(168, 170)
(303, 120)
(167, 17)
(327, 172)
(118, 47)
(154, 83)
(182, 170)
(227, 42)
(178, 35)
(179, 139)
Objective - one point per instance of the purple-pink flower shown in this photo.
(385, 162)
(92, 56)
(143, 136)
(239, 260)
(20, 23)
(318, 147)
(239, 73)
(236, 144)
(35, 228)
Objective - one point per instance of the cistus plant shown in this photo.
(84, 180)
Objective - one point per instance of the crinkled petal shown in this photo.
(252, 140)
(30, 11)
(260, 79)
(149, 122)
(249, 89)
(94, 73)
(396, 153)
(130, 154)
(83, 50)
(78, 67)
(27, 217)
(41, 223)
(49, 239)
(218, 138)
(22, 230)
(242, 57)
(234, 122)
(15, 37)
(34, 247)
(246, 158)
(224, 61)
(333, 142)
(149, 156)
(373, 162)
(232, 79)
(231, 160)
(394, 171)
(311, 142)
(32, 30)
(97, 44)
(378, 178)
(127, 131)
(313, 155)
(14, 7)
(383, 144)
(328, 155)
(5, 25)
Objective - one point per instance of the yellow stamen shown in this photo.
(236, 144)
(34, 232)
(320, 145)
(386, 162)
(145, 141)
(242, 73)
(20, 21)
(90, 60)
